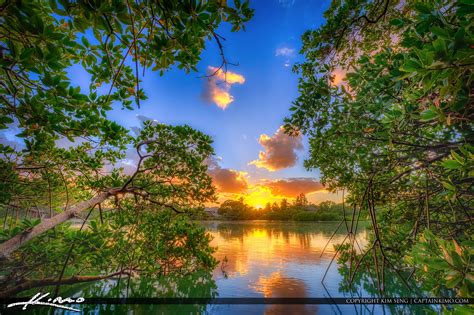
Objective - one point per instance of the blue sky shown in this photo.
(249, 125)
(265, 53)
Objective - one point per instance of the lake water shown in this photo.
(258, 259)
(278, 259)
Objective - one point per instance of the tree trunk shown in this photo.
(6, 248)
(29, 284)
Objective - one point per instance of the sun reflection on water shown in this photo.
(263, 251)
(276, 259)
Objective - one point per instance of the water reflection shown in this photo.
(260, 245)
(262, 259)
(278, 285)
(276, 259)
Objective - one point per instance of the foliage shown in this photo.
(326, 211)
(301, 200)
(152, 244)
(397, 133)
(444, 264)
(236, 210)
(137, 233)
(70, 161)
(107, 39)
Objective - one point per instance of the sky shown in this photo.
(243, 109)
(254, 158)
(243, 114)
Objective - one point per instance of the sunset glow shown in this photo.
(258, 196)
(338, 77)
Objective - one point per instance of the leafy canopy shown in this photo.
(397, 133)
(113, 41)
(68, 164)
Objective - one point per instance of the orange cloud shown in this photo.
(280, 151)
(292, 187)
(265, 191)
(228, 76)
(227, 180)
(217, 88)
(338, 75)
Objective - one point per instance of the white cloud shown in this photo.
(284, 51)
(286, 3)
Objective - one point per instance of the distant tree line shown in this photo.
(299, 210)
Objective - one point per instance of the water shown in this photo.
(278, 259)
(257, 259)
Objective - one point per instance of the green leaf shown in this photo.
(410, 65)
(428, 114)
(449, 186)
(457, 157)
(453, 279)
(397, 22)
(439, 46)
(451, 164)
(440, 32)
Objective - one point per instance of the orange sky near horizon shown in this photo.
(258, 196)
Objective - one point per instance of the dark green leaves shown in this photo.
(399, 127)
(448, 261)
(410, 65)
(72, 152)
(429, 114)
(397, 22)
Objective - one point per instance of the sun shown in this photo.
(259, 196)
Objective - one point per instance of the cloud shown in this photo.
(229, 77)
(280, 151)
(284, 51)
(142, 119)
(14, 143)
(217, 87)
(286, 3)
(292, 187)
(226, 180)
(338, 75)
(8, 136)
(287, 52)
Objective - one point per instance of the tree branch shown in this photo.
(7, 247)
(29, 284)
